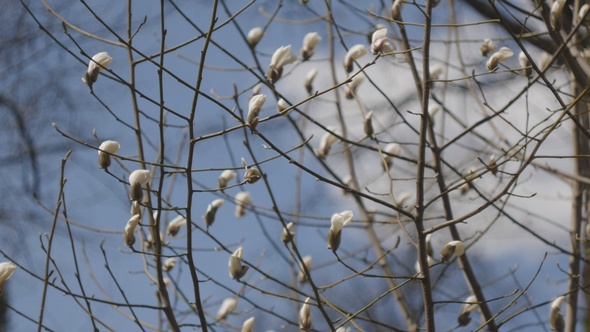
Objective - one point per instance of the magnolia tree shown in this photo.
(322, 166)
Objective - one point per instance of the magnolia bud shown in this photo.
(169, 264)
(380, 42)
(99, 61)
(556, 322)
(281, 57)
(242, 200)
(396, 9)
(305, 315)
(137, 179)
(502, 55)
(6, 271)
(487, 47)
(309, 80)
(309, 43)
(175, 225)
(254, 106)
(328, 139)
(288, 233)
(252, 175)
(392, 149)
(307, 261)
(353, 54)
(209, 216)
(225, 177)
(105, 150)
(281, 106)
(453, 248)
(254, 36)
(350, 89)
(583, 11)
(525, 64)
(368, 125)
(227, 307)
(468, 307)
(235, 267)
(338, 221)
(128, 234)
(248, 325)
(556, 13)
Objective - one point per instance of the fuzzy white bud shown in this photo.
(6, 271)
(338, 221)
(254, 36)
(353, 54)
(281, 57)
(453, 248)
(98, 62)
(305, 315)
(175, 225)
(242, 198)
(254, 107)
(227, 307)
(235, 267)
(105, 150)
(309, 43)
(209, 216)
(225, 177)
(502, 55)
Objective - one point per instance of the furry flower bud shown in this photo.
(209, 216)
(169, 264)
(353, 54)
(487, 47)
(99, 61)
(252, 175)
(453, 248)
(338, 221)
(6, 271)
(309, 80)
(227, 307)
(556, 322)
(396, 9)
(225, 177)
(381, 43)
(235, 267)
(470, 305)
(305, 315)
(137, 179)
(254, 107)
(254, 36)
(350, 89)
(392, 149)
(307, 261)
(282, 106)
(129, 233)
(328, 139)
(281, 57)
(248, 325)
(288, 233)
(175, 225)
(502, 55)
(525, 64)
(242, 198)
(105, 150)
(309, 43)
